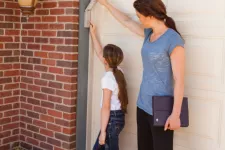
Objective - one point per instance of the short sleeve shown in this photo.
(147, 32)
(107, 83)
(175, 41)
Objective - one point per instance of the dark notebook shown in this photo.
(162, 109)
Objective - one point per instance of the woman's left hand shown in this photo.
(172, 123)
(102, 138)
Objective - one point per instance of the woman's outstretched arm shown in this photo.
(124, 19)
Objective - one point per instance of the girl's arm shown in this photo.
(105, 114)
(96, 43)
(124, 19)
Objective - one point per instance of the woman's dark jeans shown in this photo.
(115, 126)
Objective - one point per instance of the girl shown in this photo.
(114, 100)
(163, 63)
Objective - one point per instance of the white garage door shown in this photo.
(202, 24)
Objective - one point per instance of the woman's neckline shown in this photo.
(149, 38)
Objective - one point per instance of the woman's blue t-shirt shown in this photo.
(157, 79)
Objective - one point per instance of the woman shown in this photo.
(114, 95)
(163, 69)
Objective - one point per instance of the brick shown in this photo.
(48, 19)
(39, 123)
(27, 66)
(41, 40)
(26, 106)
(12, 5)
(16, 131)
(67, 34)
(5, 121)
(69, 145)
(33, 101)
(10, 139)
(67, 79)
(40, 110)
(25, 145)
(36, 148)
(11, 100)
(34, 88)
(65, 108)
(6, 39)
(33, 46)
(49, 4)
(47, 90)
(11, 113)
(24, 32)
(12, 73)
(41, 26)
(49, 33)
(40, 96)
(53, 127)
(12, 18)
(39, 137)
(54, 142)
(47, 76)
(41, 68)
(46, 132)
(67, 19)
(27, 80)
(57, 11)
(67, 94)
(5, 53)
(56, 26)
(28, 39)
(32, 128)
(28, 26)
(33, 74)
(34, 33)
(48, 47)
(67, 48)
(71, 56)
(55, 113)
(40, 82)
(71, 41)
(67, 64)
(55, 85)
(12, 45)
(69, 116)
(55, 55)
(42, 12)
(5, 94)
(5, 80)
(69, 130)
(6, 11)
(69, 101)
(32, 114)
(68, 4)
(65, 138)
(5, 147)
(25, 119)
(27, 53)
(32, 141)
(72, 11)
(10, 126)
(34, 60)
(12, 32)
(6, 25)
(47, 104)
(71, 26)
(34, 19)
(55, 70)
(26, 132)
(48, 62)
(70, 87)
(54, 99)
(46, 146)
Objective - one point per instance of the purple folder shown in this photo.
(162, 109)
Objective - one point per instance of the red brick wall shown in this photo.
(47, 50)
(9, 73)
